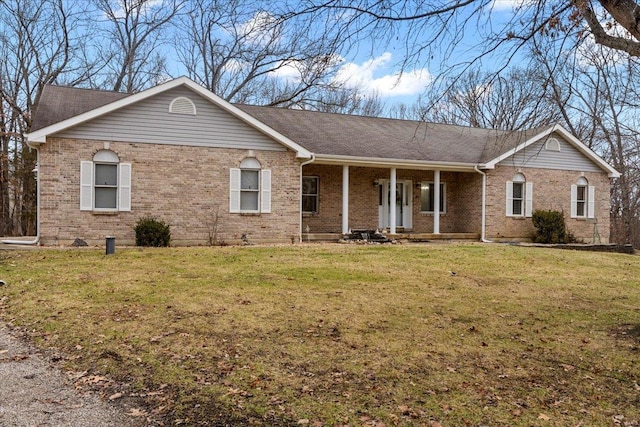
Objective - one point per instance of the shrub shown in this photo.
(152, 232)
(550, 227)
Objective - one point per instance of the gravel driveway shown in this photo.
(33, 392)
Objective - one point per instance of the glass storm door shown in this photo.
(402, 204)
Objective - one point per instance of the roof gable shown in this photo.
(542, 135)
(40, 134)
(152, 121)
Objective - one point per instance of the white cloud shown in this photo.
(119, 10)
(368, 77)
(509, 5)
(290, 70)
(500, 5)
(293, 70)
(259, 29)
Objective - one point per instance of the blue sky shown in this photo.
(379, 70)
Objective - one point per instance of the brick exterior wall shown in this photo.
(551, 190)
(183, 186)
(186, 186)
(464, 204)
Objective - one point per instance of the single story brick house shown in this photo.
(206, 167)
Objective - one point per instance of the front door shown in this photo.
(402, 205)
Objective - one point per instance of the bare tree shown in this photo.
(241, 52)
(515, 101)
(38, 44)
(439, 27)
(595, 90)
(130, 50)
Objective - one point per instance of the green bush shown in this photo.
(550, 227)
(152, 232)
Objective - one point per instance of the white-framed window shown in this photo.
(105, 183)
(250, 188)
(310, 187)
(427, 193)
(519, 197)
(582, 199)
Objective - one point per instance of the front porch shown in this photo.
(409, 204)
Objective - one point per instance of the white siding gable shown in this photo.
(149, 121)
(537, 156)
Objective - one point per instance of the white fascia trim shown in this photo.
(587, 152)
(40, 136)
(612, 173)
(377, 162)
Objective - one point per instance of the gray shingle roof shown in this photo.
(327, 133)
(374, 137)
(59, 103)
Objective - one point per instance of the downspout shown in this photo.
(311, 160)
(37, 239)
(484, 205)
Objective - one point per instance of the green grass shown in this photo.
(344, 334)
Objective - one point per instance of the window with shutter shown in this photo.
(250, 188)
(105, 183)
(519, 197)
(582, 199)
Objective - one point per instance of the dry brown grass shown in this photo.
(344, 335)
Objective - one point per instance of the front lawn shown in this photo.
(334, 335)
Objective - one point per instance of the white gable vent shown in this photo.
(182, 105)
(552, 144)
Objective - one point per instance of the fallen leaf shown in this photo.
(137, 412)
(303, 422)
(544, 417)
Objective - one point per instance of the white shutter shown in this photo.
(528, 205)
(124, 187)
(265, 191)
(509, 198)
(574, 201)
(234, 190)
(591, 211)
(86, 186)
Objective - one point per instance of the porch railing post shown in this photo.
(436, 202)
(392, 201)
(345, 199)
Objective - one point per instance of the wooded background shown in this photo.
(573, 63)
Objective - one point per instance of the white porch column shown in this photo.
(436, 202)
(392, 202)
(345, 199)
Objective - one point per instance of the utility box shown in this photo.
(111, 245)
